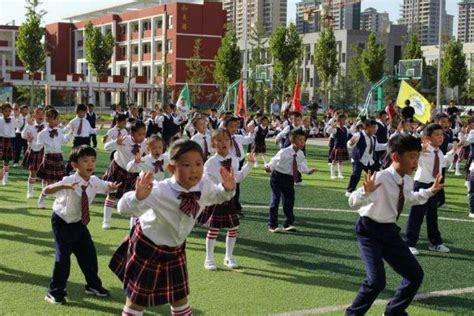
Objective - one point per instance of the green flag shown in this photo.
(184, 95)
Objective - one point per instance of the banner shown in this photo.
(296, 104)
(417, 101)
(184, 95)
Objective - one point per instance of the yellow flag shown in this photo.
(417, 101)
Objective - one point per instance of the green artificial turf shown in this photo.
(315, 267)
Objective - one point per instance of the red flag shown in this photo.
(296, 104)
(240, 99)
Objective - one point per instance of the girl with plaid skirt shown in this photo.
(126, 148)
(151, 262)
(34, 153)
(52, 168)
(8, 125)
(259, 146)
(225, 215)
(339, 153)
(465, 147)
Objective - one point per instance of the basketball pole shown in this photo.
(440, 49)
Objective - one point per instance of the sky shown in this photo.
(58, 9)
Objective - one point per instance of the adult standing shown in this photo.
(275, 108)
(286, 106)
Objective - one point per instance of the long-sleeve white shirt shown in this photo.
(213, 165)
(366, 157)
(381, 205)
(160, 217)
(148, 164)
(52, 145)
(240, 140)
(159, 120)
(21, 123)
(424, 172)
(74, 126)
(123, 154)
(199, 138)
(283, 161)
(33, 130)
(7, 130)
(113, 133)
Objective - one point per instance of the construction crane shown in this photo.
(326, 8)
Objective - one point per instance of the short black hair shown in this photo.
(369, 122)
(229, 120)
(296, 133)
(430, 128)
(24, 107)
(182, 146)
(213, 110)
(402, 143)
(407, 102)
(470, 120)
(296, 114)
(81, 107)
(156, 138)
(136, 126)
(380, 113)
(120, 117)
(264, 118)
(441, 116)
(81, 151)
(6, 106)
(52, 113)
(90, 105)
(196, 120)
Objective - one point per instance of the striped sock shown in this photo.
(127, 311)
(230, 240)
(210, 243)
(184, 310)
(109, 206)
(32, 180)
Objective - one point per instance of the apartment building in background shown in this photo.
(466, 21)
(373, 21)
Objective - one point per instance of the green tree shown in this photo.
(355, 76)
(197, 71)
(30, 50)
(257, 89)
(373, 60)
(412, 49)
(228, 64)
(325, 60)
(99, 50)
(453, 68)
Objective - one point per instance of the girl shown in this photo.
(151, 261)
(7, 136)
(35, 152)
(127, 147)
(156, 161)
(259, 146)
(339, 153)
(223, 215)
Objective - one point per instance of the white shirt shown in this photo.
(284, 133)
(183, 112)
(381, 205)
(367, 158)
(52, 145)
(7, 130)
(285, 106)
(213, 165)
(240, 140)
(21, 123)
(283, 161)
(147, 164)
(159, 120)
(67, 204)
(74, 126)
(32, 129)
(424, 172)
(161, 219)
(199, 138)
(123, 154)
(112, 134)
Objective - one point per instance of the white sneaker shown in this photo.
(273, 229)
(231, 263)
(340, 176)
(210, 265)
(105, 226)
(4, 181)
(471, 215)
(439, 248)
(15, 165)
(41, 205)
(414, 251)
(29, 195)
(289, 228)
(458, 174)
(333, 176)
(256, 164)
(348, 194)
(300, 184)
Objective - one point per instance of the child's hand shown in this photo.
(437, 185)
(424, 145)
(312, 171)
(228, 180)
(144, 186)
(120, 140)
(369, 182)
(30, 120)
(114, 186)
(267, 169)
(353, 140)
(71, 186)
(138, 158)
(251, 128)
(455, 146)
(252, 157)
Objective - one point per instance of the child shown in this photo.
(382, 136)
(151, 126)
(151, 262)
(92, 118)
(156, 161)
(20, 143)
(168, 124)
(296, 120)
(202, 137)
(35, 152)
(81, 130)
(127, 147)
(118, 130)
(74, 195)
(430, 165)
(223, 215)
(7, 137)
(380, 203)
(448, 140)
(339, 153)
(466, 146)
(51, 169)
(213, 119)
(284, 168)
(259, 146)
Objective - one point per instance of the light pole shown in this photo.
(244, 77)
(440, 49)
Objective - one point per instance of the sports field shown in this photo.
(316, 270)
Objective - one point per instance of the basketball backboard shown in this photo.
(409, 69)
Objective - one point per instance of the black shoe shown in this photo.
(54, 300)
(241, 214)
(273, 229)
(100, 292)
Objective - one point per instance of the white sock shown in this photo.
(183, 310)
(458, 166)
(31, 184)
(230, 240)
(130, 311)
(109, 206)
(333, 172)
(211, 243)
(339, 170)
(264, 157)
(5, 177)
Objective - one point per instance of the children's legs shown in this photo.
(132, 309)
(211, 237)
(31, 183)
(181, 308)
(357, 168)
(339, 170)
(230, 240)
(332, 170)
(43, 195)
(109, 206)
(264, 157)
(288, 200)
(86, 255)
(275, 201)
(434, 235)
(6, 169)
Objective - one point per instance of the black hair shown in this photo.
(6, 106)
(157, 138)
(90, 105)
(402, 143)
(229, 120)
(52, 113)
(213, 110)
(24, 107)
(287, 96)
(81, 107)
(369, 122)
(80, 152)
(441, 116)
(380, 113)
(430, 128)
(120, 117)
(296, 114)
(197, 119)
(39, 108)
(342, 115)
(264, 118)
(470, 120)
(182, 146)
(219, 131)
(136, 126)
(407, 102)
(296, 133)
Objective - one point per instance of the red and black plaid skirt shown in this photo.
(339, 154)
(223, 215)
(259, 148)
(52, 168)
(152, 275)
(115, 173)
(32, 159)
(464, 153)
(7, 149)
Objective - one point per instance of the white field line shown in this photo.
(352, 211)
(337, 308)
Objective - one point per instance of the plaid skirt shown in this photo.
(115, 173)
(331, 147)
(339, 154)
(259, 148)
(464, 153)
(32, 159)
(151, 274)
(52, 168)
(7, 149)
(223, 215)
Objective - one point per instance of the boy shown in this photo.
(380, 203)
(213, 120)
(296, 121)
(92, 118)
(74, 195)
(168, 123)
(284, 168)
(202, 137)
(20, 144)
(443, 120)
(382, 135)
(430, 165)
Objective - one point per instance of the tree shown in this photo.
(257, 39)
(357, 82)
(197, 72)
(99, 50)
(227, 61)
(325, 60)
(453, 68)
(373, 60)
(412, 48)
(285, 46)
(30, 50)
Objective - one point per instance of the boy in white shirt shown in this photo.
(202, 137)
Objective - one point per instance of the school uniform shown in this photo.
(332, 140)
(81, 130)
(339, 152)
(259, 145)
(151, 128)
(379, 239)
(35, 152)
(212, 122)
(284, 136)
(285, 166)
(204, 141)
(151, 262)
(237, 151)
(71, 235)
(52, 167)
(21, 144)
(92, 119)
(8, 126)
(169, 125)
(382, 138)
(363, 157)
(445, 146)
(150, 164)
(430, 165)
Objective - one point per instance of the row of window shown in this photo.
(146, 25)
(146, 48)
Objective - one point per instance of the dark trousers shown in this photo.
(357, 168)
(72, 239)
(282, 187)
(379, 158)
(19, 146)
(441, 195)
(237, 189)
(93, 140)
(378, 242)
(78, 141)
(415, 219)
(471, 193)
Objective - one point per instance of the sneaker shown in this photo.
(100, 292)
(54, 300)
(340, 176)
(41, 205)
(458, 174)
(15, 165)
(443, 207)
(300, 184)
(348, 194)
(471, 215)
(439, 248)
(231, 263)
(273, 229)
(333, 176)
(210, 265)
(289, 228)
(4, 181)
(29, 195)
(414, 251)
(105, 226)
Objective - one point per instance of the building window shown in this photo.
(159, 23)
(146, 25)
(170, 46)
(135, 28)
(169, 70)
(170, 22)
(123, 51)
(135, 50)
(159, 47)
(123, 29)
(343, 57)
(146, 49)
